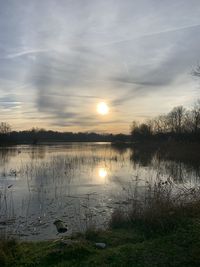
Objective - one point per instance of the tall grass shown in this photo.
(161, 207)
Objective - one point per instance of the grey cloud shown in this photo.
(9, 101)
(83, 122)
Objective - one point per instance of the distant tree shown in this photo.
(160, 124)
(178, 124)
(196, 109)
(188, 122)
(5, 128)
(140, 131)
(134, 126)
(196, 117)
(145, 129)
(176, 119)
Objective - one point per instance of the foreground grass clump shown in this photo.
(9, 251)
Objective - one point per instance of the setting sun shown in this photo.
(102, 108)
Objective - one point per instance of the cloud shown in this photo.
(24, 53)
(9, 102)
(71, 54)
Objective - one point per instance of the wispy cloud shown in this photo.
(60, 58)
(25, 52)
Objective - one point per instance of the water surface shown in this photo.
(80, 183)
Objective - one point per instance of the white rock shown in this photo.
(100, 245)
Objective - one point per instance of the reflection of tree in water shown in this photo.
(38, 152)
(6, 154)
(179, 170)
(182, 172)
(119, 148)
(175, 170)
(141, 156)
(181, 167)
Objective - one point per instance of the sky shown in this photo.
(60, 58)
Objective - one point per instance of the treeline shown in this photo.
(35, 136)
(178, 124)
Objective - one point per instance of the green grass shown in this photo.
(125, 247)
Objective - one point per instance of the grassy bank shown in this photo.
(125, 247)
(161, 230)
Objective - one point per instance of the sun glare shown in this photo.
(102, 108)
(102, 172)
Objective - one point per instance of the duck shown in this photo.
(60, 226)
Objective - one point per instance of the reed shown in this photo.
(162, 206)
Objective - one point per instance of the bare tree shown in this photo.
(5, 128)
(179, 121)
(160, 124)
(176, 119)
(196, 117)
(134, 126)
(188, 122)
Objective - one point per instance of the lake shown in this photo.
(79, 183)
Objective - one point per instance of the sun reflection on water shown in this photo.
(102, 172)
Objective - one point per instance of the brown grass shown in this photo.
(162, 207)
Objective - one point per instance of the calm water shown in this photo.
(80, 183)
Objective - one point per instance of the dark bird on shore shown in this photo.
(61, 226)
